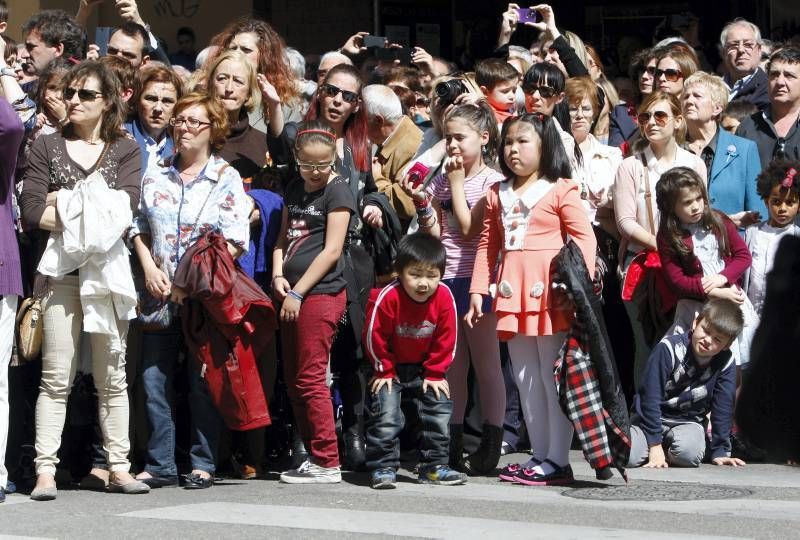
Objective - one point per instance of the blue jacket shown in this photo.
(732, 180)
(652, 404)
(142, 138)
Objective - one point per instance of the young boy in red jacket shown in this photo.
(410, 339)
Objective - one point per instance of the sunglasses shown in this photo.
(670, 75)
(660, 117)
(332, 91)
(545, 91)
(650, 70)
(83, 94)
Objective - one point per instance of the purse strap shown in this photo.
(648, 195)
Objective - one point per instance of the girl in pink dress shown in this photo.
(527, 220)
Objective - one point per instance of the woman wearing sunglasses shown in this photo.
(92, 141)
(663, 127)
(189, 195)
(674, 65)
(642, 72)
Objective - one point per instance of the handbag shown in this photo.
(154, 314)
(29, 328)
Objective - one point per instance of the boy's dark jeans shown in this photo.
(385, 421)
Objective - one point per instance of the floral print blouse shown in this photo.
(175, 214)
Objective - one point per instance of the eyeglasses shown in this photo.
(650, 70)
(670, 75)
(312, 167)
(332, 91)
(191, 123)
(422, 101)
(747, 45)
(660, 117)
(586, 112)
(84, 94)
(545, 91)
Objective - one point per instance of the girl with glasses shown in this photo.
(663, 127)
(92, 141)
(673, 65)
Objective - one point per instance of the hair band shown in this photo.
(788, 181)
(320, 131)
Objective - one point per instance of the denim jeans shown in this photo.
(385, 421)
(160, 353)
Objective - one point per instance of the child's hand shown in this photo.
(728, 293)
(475, 312)
(377, 383)
(656, 459)
(290, 309)
(730, 461)
(454, 169)
(437, 387)
(712, 282)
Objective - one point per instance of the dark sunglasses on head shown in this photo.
(545, 91)
(660, 117)
(83, 94)
(671, 75)
(333, 91)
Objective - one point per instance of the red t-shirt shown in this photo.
(400, 330)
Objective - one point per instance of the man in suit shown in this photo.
(776, 130)
(397, 139)
(732, 162)
(741, 47)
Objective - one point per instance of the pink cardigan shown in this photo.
(687, 282)
(630, 214)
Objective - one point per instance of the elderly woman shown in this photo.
(732, 162)
(265, 50)
(92, 141)
(233, 81)
(663, 127)
(195, 192)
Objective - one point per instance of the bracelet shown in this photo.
(296, 295)
(276, 277)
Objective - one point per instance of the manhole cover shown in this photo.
(659, 492)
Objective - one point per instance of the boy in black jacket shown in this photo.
(688, 376)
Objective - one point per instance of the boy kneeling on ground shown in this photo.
(688, 376)
(410, 339)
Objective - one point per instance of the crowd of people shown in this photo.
(224, 263)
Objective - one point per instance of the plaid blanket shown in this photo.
(585, 373)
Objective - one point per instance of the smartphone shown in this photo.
(374, 42)
(528, 15)
(417, 174)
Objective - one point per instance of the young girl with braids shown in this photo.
(308, 279)
(452, 208)
(526, 223)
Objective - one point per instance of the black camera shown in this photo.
(448, 91)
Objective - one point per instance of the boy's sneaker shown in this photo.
(311, 473)
(383, 479)
(442, 475)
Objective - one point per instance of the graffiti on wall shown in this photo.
(177, 8)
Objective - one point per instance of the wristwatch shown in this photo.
(8, 72)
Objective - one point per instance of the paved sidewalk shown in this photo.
(761, 501)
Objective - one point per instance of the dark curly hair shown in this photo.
(56, 26)
(775, 173)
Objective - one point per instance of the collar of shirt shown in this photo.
(211, 170)
(405, 129)
(738, 85)
(683, 158)
(142, 137)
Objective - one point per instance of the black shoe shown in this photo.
(354, 451)
(160, 481)
(195, 481)
(486, 457)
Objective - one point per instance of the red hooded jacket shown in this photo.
(228, 321)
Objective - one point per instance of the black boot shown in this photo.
(299, 452)
(457, 447)
(486, 457)
(355, 446)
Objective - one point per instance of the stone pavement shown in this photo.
(757, 501)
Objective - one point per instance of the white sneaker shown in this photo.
(311, 473)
